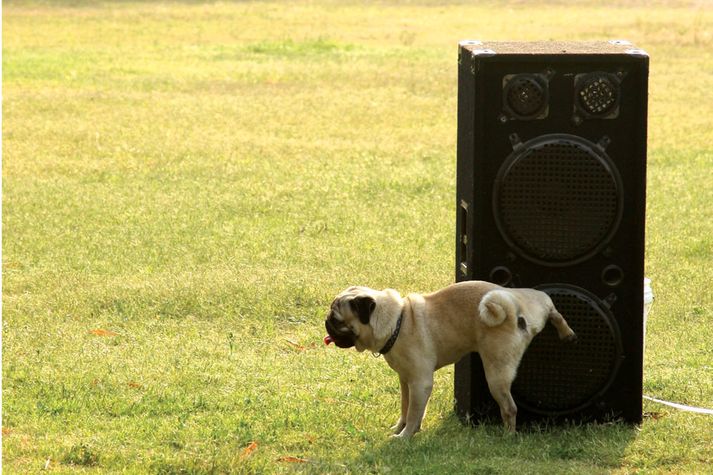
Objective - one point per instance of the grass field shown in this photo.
(186, 186)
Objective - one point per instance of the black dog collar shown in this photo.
(390, 343)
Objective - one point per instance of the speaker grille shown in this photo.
(557, 199)
(557, 377)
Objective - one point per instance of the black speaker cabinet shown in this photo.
(551, 190)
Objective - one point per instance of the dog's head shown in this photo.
(359, 316)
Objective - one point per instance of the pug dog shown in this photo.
(419, 334)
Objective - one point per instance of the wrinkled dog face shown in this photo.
(349, 317)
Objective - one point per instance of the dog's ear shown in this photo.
(363, 306)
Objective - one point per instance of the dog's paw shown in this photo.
(403, 435)
(398, 427)
(571, 338)
(406, 433)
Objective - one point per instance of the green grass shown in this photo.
(201, 179)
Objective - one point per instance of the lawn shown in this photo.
(186, 186)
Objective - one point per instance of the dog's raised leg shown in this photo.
(418, 393)
(563, 330)
(404, 407)
(500, 378)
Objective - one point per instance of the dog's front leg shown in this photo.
(404, 407)
(418, 393)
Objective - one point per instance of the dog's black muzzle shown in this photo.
(342, 338)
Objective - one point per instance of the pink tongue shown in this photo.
(328, 339)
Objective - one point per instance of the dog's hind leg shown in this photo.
(500, 377)
(563, 329)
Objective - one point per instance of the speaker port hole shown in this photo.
(612, 275)
(501, 275)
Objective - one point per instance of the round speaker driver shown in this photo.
(525, 96)
(556, 377)
(597, 94)
(557, 199)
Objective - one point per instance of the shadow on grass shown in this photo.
(486, 448)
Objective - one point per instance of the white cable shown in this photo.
(682, 407)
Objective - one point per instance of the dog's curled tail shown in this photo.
(496, 306)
